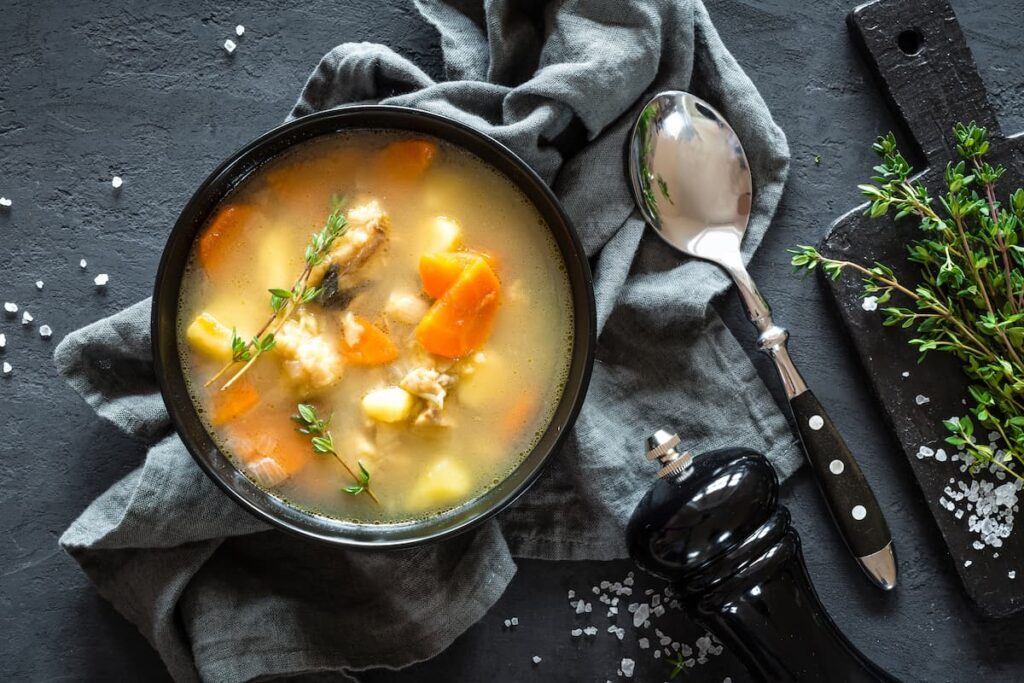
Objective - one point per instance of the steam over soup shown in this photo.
(376, 327)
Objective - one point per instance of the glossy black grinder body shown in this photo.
(712, 525)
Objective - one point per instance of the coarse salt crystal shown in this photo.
(572, 594)
(45, 332)
(905, 374)
(1011, 574)
(940, 455)
(82, 264)
(101, 280)
(7, 369)
(5, 202)
(627, 667)
(239, 30)
(641, 615)
(644, 643)
(11, 307)
(870, 303)
(581, 606)
(921, 400)
(925, 452)
(116, 182)
(229, 45)
(3, 341)
(26, 318)
(536, 659)
(590, 630)
(39, 284)
(968, 563)
(576, 632)
(514, 621)
(508, 624)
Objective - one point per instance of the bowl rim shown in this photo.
(238, 166)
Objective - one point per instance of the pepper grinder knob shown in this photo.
(661, 446)
(712, 525)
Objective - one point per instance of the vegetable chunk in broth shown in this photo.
(376, 327)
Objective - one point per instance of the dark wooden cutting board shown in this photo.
(923, 64)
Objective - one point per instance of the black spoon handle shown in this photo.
(849, 496)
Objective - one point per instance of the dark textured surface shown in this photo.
(929, 114)
(144, 90)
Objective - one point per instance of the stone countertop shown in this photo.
(145, 90)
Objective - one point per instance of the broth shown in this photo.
(441, 252)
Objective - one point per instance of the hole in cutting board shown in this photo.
(910, 41)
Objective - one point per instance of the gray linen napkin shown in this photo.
(222, 597)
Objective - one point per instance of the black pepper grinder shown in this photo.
(713, 526)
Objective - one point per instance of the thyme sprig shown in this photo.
(284, 302)
(970, 298)
(322, 440)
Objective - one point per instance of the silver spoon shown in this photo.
(692, 183)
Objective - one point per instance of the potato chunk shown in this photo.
(390, 404)
(444, 483)
(209, 337)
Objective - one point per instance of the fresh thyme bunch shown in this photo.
(970, 298)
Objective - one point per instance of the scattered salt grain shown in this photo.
(870, 303)
(657, 654)
(572, 594)
(905, 374)
(590, 630)
(239, 30)
(925, 452)
(5, 202)
(921, 400)
(612, 611)
(967, 563)
(644, 643)
(641, 615)
(116, 182)
(82, 264)
(508, 624)
(39, 284)
(45, 332)
(3, 341)
(229, 46)
(1011, 574)
(514, 621)
(627, 667)
(101, 280)
(576, 632)
(581, 607)
(10, 307)
(26, 318)
(7, 369)
(536, 659)
(595, 590)
(940, 456)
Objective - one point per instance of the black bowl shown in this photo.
(170, 376)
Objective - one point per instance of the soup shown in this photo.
(375, 327)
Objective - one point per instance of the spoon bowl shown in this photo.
(697, 201)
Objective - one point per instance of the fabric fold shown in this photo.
(223, 597)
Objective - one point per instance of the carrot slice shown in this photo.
(406, 160)
(461, 320)
(220, 236)
(234, 401)
(517, 416)
(440, 270)
(373, 348)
